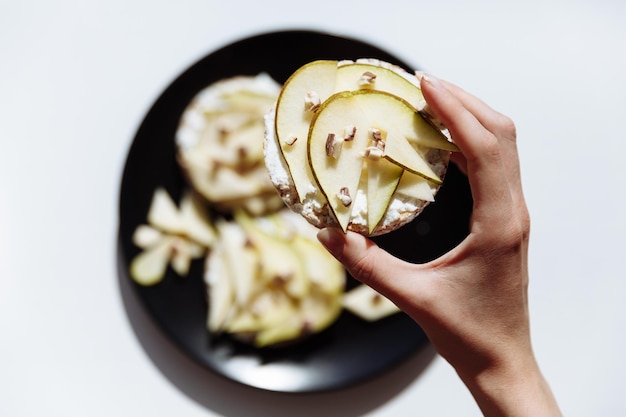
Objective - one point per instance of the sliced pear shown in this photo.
(323, 270)
(149, 267)
(198, 225)
(368, 304)
(241, 259)
(399, 151)
(221, 290)
(279, 266)
(315, 80)
(338, 178)
(388, 78)
(289, 330)
(163, 212)
(268, 309)
(183, 252)
(383, 178)
(358, 75)
(320, 309)
(384, 123)
(251, 296)
(146, 236)
(425, 133)
(415, 186)
(243, 321)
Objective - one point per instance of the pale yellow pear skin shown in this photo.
(366, 110)
(292, 117)
(351, 77)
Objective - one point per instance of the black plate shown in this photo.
(351, 350)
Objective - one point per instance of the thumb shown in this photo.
(367, 262)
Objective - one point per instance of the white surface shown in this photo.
(77, 77)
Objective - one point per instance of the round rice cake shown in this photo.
(219, 143)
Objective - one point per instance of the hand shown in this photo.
(472, 302)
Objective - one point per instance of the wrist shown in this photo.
(512, 388)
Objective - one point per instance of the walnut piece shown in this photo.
(373, 153)
(333, 146)
(312, 101)
(349, 133)
(377, 139)
(367, 79)
(290, 140)
(344, 196)
(376, 134)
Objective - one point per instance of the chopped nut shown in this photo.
(290, 140)
(372, 152)
(376, 134)
(333, 146)
(377, 299)
(312, 101)
(367, 79)
(349, 133)
(377, 138)
(344, 196)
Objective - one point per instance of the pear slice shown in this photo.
(149, 266)
(395, 81)
(279, 266)
(270, 281)
(198, 225)
(323, 270)
(316, 81)
(268, 309)
(241, 259)
(183, 251)
(399, 151)
(415, 186)
(289, 330)
(368, 304)
(146, 236)
(380, 76)
(220, 289)
(338, 176)
(383, 178)
(163, 213)
(425, 133)
(320, 309)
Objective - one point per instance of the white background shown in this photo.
(76, 79)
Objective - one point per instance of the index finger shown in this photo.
(479, 145)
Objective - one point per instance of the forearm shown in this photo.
(513, 390)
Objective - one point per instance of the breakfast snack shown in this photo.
(349, 144)
(219, 143)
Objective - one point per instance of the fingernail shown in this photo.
(431, 80)
(332, 239)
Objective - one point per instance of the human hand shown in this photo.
(471, 302)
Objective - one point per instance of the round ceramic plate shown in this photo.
(352, 350)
